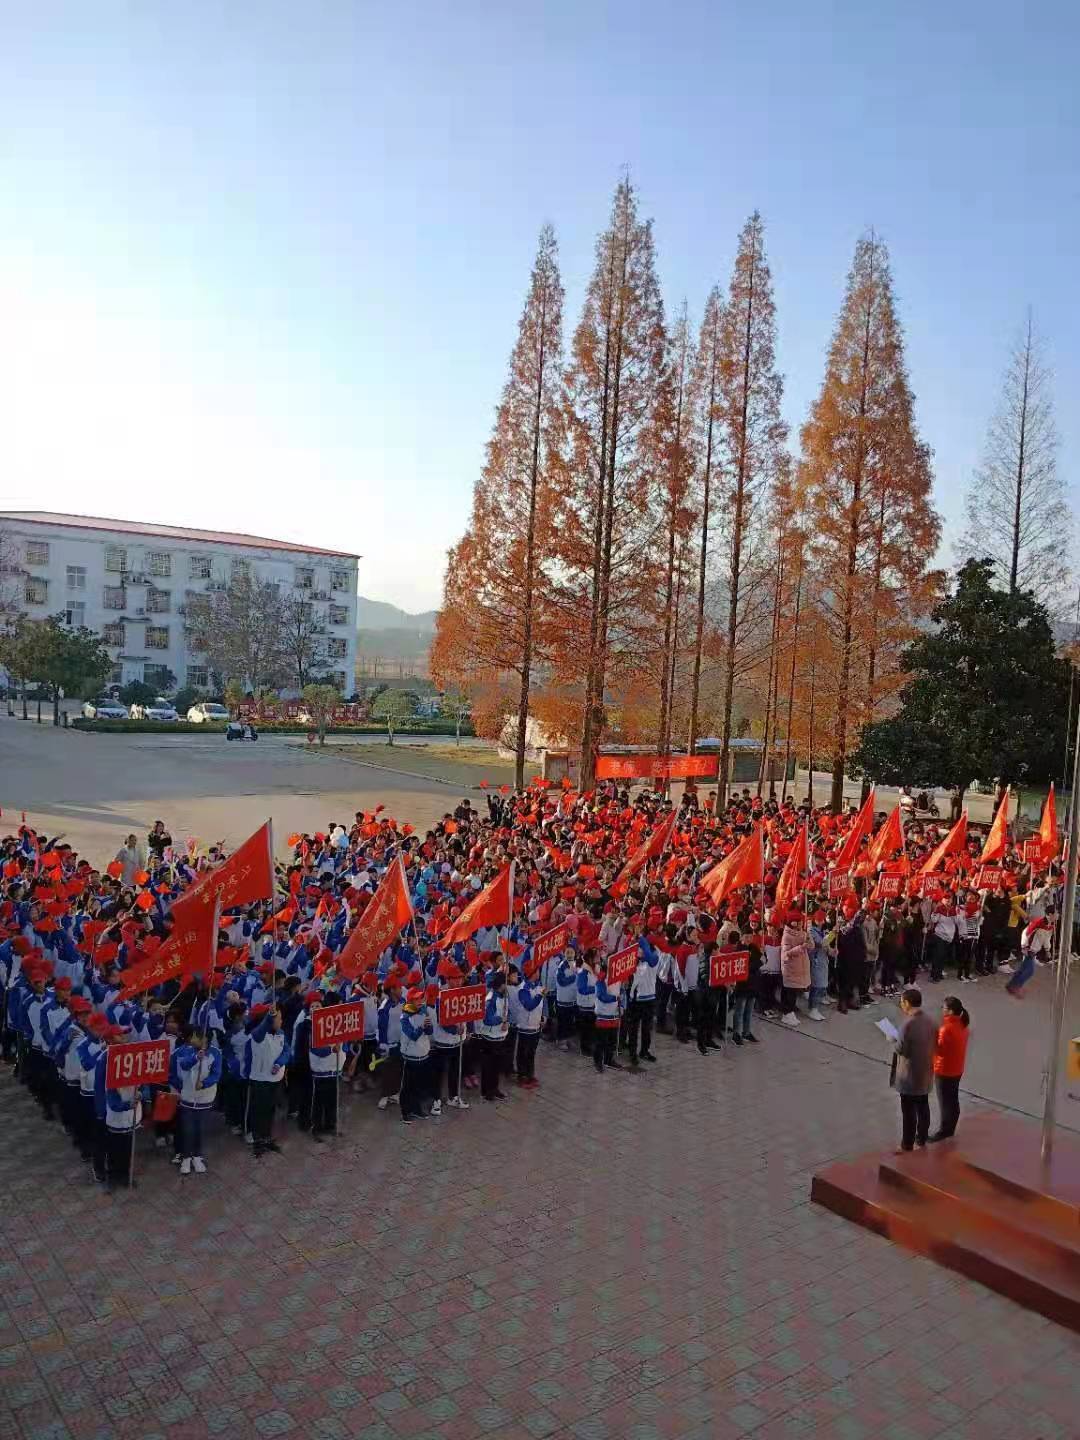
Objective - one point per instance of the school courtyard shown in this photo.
(607, 1258)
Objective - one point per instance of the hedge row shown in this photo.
(186, 727)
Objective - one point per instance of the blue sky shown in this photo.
(261, 265)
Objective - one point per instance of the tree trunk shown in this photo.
(530, 569)
(791, 679)
(770, 719)
(1015, 565)
(699, 622)
(25, 714)
(56, 705)
(810, 740)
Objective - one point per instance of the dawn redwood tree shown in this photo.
(492, 621)
(1016, 510)
(753, 438)
(986, 694)
(866, 478)
(706, 408)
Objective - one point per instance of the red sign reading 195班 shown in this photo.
(622, 965)
(461, 1004)
(141, 1062)
(337, 1025)
(729, 967)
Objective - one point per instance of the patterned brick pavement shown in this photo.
(609, 1258)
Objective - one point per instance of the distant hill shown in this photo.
(378, 615)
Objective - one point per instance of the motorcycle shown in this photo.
(236, 730)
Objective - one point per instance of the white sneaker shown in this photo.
(436, 1107)
(1005, 970)
(185, 1166)
(160, 1142)
(458, 1103)
(828, 1000)
(249, 1139)
(176, 1159)
(237, 1130)
(791, 1020)
(383, 1102)
(198, 1164)
(814, 1014)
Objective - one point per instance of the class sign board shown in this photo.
(839, 884)
(552, 942)
(462, 1004)
(890, 886)
(988, 878)
(621, 966)
(337, 1025)
(138, 1062)
(1033, 850)
(729, 967)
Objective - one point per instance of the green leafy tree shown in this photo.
(16, 654)
(394, 707)
(66, 659)
(986, 698)
(321, 702)
(137, 692)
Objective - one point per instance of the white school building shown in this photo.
(130, 582)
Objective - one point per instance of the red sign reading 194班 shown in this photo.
(461, 1004)
(337, 1025)
(729, 967)
(142, 1062)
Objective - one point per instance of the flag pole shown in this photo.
(1064, 960)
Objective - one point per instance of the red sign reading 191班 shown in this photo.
(141, 1062)
(729, 967)
(622, 965)
(461, 1004)
(337, 1025)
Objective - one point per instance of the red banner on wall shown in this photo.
(657, 767)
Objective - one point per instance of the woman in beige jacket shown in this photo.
(794, 965)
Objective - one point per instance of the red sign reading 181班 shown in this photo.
(142, 1062)
(622, 965)
(461, 1004)
(337, 1025)
(729, 967)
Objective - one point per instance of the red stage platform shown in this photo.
(982, 1204)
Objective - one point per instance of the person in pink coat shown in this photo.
(794, 965)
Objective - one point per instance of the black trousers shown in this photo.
(415, 1087)
(586, 1021)
(509, 1050)
(390, 1073)
(604, 1043)
(490, 1067)
(118, 1145)
(686, 1013)
(706, 1017)
(564, 1021)
(298, 1095)
(948, 1096)
(444, 1061)
(69, 1108)
(262, 1100)
(639, 1022)
(527, 1041)
(86, 1124)
(324, 1092)
(915, 1120)
(664, 990)
(234, 1092)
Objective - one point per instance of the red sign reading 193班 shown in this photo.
(729, 967)
(337, 1025)
(622, 965)
(461, 1004)
(141, 1062)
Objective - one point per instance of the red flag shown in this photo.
(493, 906)
(794, 869)
(864, 823)
(889, 840)
(190, 949)
(1048, 830)
(384, 917)
(655, 845)
(953, 841)
(246, 876)
(744, 866)
(998, 835)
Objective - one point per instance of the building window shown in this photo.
(37, 552)
(239, 569)
(199, 567)
(75, 614)
(159, 562)
(158, 602)
(37, 591)
(76, 577)
(339, 579)
(305, 578)
(304, 611)
(157, 676)
(337, 649)
(115, 597)
(157, 637)
(115, 558)
(337, 678)
(114, 634)
(339, 614)
(198, 677)
(116, 675)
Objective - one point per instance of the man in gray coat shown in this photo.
(914, 1076)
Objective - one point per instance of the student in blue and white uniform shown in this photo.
(530, 1007)
(586, 1001)
(606, 1021)
(492, 1032)
(642, 999)
(265, 1059)
(415, 1042)
(194, 1074)
(326, 1062)
(565, 999)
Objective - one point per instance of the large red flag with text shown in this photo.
(1048, 830)
(744, 866)
(791, 877)
(388, 911)
(889, 840)
(655, 845)
(493, 906)
(246, 876)
(190, 950)
(953, 841)
(864, 823)
(998, 835)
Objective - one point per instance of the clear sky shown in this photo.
(261, 264)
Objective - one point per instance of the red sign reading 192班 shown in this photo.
(622, 965)
(141, 1062)
(461, 1004)
(337, 1025)
(729, 967)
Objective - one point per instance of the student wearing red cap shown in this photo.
(416, 1029)
(326, 1062)
(266, 1058)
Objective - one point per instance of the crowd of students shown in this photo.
(240, 1040)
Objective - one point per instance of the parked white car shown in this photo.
(159, 709)
(207, 710)
(103, 708)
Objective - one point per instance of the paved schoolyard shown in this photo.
(608, 1258)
